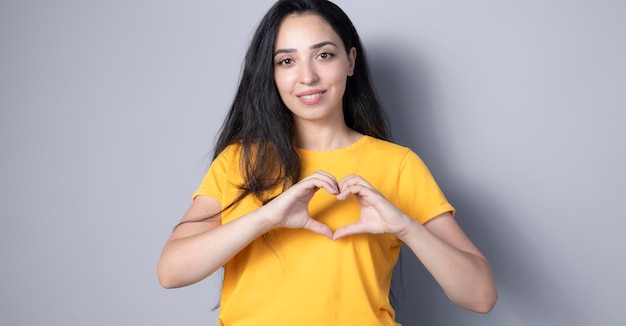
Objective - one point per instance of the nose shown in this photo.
(308, 73)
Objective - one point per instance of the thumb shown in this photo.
(317, 227)
(350, 229)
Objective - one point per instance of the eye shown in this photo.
(326, 55)
(285, 62)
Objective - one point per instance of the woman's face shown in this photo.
(311, 67)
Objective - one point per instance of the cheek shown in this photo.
(337, 77)
(337, 73)
(283, 81)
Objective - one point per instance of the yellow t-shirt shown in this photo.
(302, 278)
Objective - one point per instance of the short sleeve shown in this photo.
(418, 193)
(214, 181)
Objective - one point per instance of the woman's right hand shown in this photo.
(291, 208)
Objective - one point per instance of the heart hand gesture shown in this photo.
(291, 208)
(378, 215)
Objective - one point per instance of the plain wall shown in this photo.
(109, 110)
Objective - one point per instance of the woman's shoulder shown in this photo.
(381, 146)
(229, 153)
(392, 153)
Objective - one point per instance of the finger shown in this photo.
(355, 189)
(319, 228)
(327, 185)
(350, 229)
(347, 186)
(321, 179)
(353, 180)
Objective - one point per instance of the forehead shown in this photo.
(304, 30)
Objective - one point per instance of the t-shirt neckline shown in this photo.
(332, 151)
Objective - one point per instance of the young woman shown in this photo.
(306, 202)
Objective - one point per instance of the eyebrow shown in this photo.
(312, 47)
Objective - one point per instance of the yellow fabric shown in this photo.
(302, 278)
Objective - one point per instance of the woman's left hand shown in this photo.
(378, 215)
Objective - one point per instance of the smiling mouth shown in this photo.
(311, 97)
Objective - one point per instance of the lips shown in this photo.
(311, 97)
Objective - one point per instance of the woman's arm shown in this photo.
(197, 249)
(457, 265)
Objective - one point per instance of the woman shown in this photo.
(306, 118)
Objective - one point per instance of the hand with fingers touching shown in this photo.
(378, 215)
(291, 208)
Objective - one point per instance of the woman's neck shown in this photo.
(325, 138)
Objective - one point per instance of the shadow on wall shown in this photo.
(527, 295)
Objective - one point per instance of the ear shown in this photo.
(351, 61)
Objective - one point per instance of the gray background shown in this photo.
(109, 110)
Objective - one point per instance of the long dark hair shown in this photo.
(260, 121)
